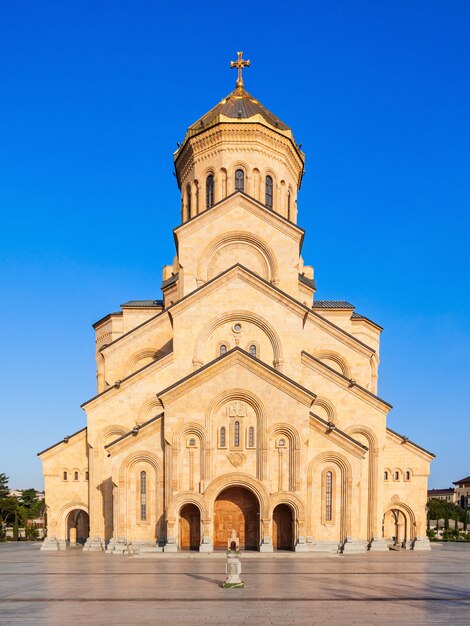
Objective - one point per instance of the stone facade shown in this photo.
(238, 400)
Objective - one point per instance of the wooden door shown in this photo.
(282, 528)
(190, 528)
(236, 508)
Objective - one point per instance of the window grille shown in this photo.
(239, 180)
(222, 437)
(188, 201)
(236, 434)
(143, 496)
(251, 437)
(223, 349)
(209, 191)
(253, 349)
(329, 496)
(269, 192)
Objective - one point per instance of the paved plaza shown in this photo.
(94, 588)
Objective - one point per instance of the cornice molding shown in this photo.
(346, 384)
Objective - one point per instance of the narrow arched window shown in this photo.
(143, 496)
(75, 476)
(239, 180)
(407, 475)
(222, 437)
(288, 205)
(269, 192)
(395, 476)
(223, 349)
(329, 496)
(253, 349)
(385, 475)
(236, 434)
(86, 475)
(188, 202)
(209, 191)
(65, 475)
(251, 437)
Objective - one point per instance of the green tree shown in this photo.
(4, 489)
(446, 521)
(465, 522)
(439, 509)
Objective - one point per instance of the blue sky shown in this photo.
(95, 97)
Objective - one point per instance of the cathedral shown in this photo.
(237, 401)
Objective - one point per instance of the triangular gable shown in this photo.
(231, 358)
(221, 208)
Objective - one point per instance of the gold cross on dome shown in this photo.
(240, 63)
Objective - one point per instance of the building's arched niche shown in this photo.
(335, 361)
(189, 527)
(78, 526)
(283, 527)
(145, 356)
(150, 408)
(102, 478)
(240, 247)
(238, 328)
(396, 527)
(190, 443)
(329, 483)
(236, 435)
(325, 409)
(140, 506)
(284, 451)
(236, 508)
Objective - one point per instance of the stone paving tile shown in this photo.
(93, 588)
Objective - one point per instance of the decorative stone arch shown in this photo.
(256, 176)
(261, 418)
(409, 533)
(298, 508)
(336, 358)
(190, 428)
(238, 165)
(287, 497)
(150, 408)
(123, 507)
(345, 469)
(291, 433)
(179, 501)
(257, 245)
(101, 490)
(62, 517)
(132, 362)
(328, 407)
(373, 478)
(238, 479)
(242, 316)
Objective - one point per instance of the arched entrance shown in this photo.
(236, 508)
(283, 528)
(78, 526)
(396, 527)
(190, 527)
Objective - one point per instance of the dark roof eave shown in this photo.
(62, 441)
(106, 318)
(249, 356)
(133, 432)
(350, 381)
(338, 430)
(406, 440)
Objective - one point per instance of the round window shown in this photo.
(237, 327)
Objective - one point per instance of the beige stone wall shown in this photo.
(184, 411)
